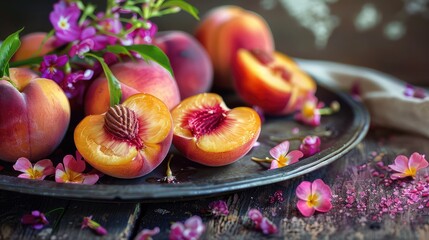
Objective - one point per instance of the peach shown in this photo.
(226, 29)
(208, 132)
(35, 115)
(271, 81)
(135, 77)
(31, 46)
(129, 140)
(191, 64)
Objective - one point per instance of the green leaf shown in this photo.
(184, 6)
(7, 50)
(118, 49)
(113, 83)
(153, 53)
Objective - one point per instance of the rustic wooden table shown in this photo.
(365, 205)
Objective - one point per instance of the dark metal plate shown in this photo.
(347, 127)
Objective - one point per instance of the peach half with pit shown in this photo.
(129, 140)
(207, 132)
(135, 77)
(34, 116)
(271, 81)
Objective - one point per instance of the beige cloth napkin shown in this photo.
(383, 95)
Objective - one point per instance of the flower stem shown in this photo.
(333, 108)
(267, 160)
(169, 173)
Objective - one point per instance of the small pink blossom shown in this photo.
(36, 219)
(315, 196)
(146, 234)
(281, 156)
(64, 19)
(219, 208)
(408, 167)
(95, 226)
(72, 171)
(310, 113)
(39, 171)
(310, 145)
(415, 92)
(192, 229)
(262, 223)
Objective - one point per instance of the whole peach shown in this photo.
(31, 46)
(34, 116)
(226, 29)
(134, 77)
(191, 64)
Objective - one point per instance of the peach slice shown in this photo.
(129, 140)
(208, 132)
(272, 81)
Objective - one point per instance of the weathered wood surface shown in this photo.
(125, 220)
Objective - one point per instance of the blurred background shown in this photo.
(387, 35)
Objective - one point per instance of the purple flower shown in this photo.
(50, 65)
(88, 222)
(64, 20)
(416, 92)
(111, 25)
(143, 35)
(36, 219)
(146, 234)
(310, 145)
(192, 229)
(81, 48)
(262, 223)
(218, 208)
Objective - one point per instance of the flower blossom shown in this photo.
(281, 156)
(71, 83)
(50, 67)
(72, 171)
(39, 171)
(219, 208)
(262, 223)
(36, 219)
(310, 113)
(192, 229)
(315, 196)
(146, 234)
(408, 167)
(88, 222)
(143, 35)
(64, 19)
(416, 92)
(310, 145)
(111, 25)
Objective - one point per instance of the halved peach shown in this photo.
(208, 132)
(272, 81)
(129, 140)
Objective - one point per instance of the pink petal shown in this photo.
(45, 166)
(401, 164)
(303, 191)
(418, 161)
(324, 205)
(75, 165)
(274, 164)
(294, 156)
(319, 187)
(398, 175)
(24, 175)
(90, 179)
(304, 208)
(60, 175)
(22, 165)
(279, 150)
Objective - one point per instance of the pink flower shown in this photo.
(88, 222)
(81, 48)
(309, 113)
(192, 229)
(262, 223)
(219, 208)
(408, 167)
(36, 219)
(143, 35)
(416, 92)
(64, 20)
(315, 196)
(146, 234)
(50, 67)
(281, 156)
(72, 171)
(39, 171)
(310, 145)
